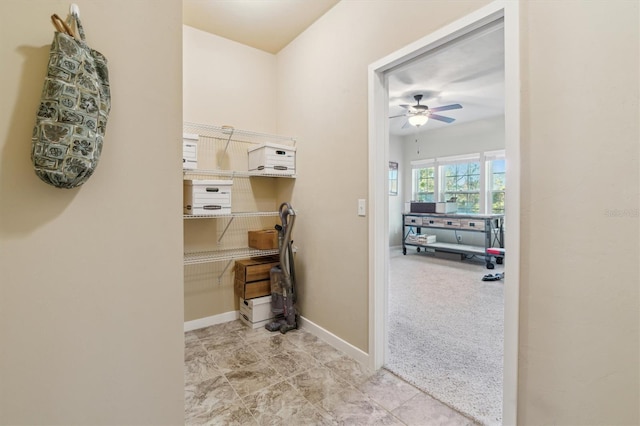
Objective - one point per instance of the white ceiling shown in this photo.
(469, 72)
(267, 25)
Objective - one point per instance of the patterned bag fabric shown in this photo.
(74, 107)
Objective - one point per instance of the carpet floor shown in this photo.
(446, 331)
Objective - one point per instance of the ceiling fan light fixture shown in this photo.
(418, 120)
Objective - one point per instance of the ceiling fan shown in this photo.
(418, 114)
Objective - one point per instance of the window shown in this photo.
(424, 184)
(393, 178)
(475, 181)
(461, 182)
(497, 185)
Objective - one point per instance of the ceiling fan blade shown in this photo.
(404, 126)
(396, 116)
(446, 107)
(442, 118)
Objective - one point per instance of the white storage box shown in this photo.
(254, 325)
(207, 197)
(429, 239)
(271, 158)
(189, 151)
(421, 239)
(256, 311)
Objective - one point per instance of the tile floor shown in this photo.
(238, 376)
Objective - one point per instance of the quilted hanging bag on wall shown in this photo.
(74, 107)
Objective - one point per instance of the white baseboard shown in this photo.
(335, 341)
(212, 320)
(328, 337)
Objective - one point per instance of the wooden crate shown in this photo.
(253, 289)
(255, 269)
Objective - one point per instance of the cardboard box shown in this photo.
(255, 269)
(253, 289)
(265, 239)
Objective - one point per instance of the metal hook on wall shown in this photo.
(74, 10)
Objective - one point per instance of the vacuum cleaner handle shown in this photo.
(285, 248)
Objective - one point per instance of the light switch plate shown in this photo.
(362, 207)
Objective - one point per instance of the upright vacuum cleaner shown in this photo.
(283, 295)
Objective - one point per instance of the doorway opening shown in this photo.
(444, 325)
(379, 252)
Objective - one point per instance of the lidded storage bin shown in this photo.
(272, 158)
(256, 312)
(207, 197)
(190, 151)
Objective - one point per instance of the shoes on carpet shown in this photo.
(491, 277)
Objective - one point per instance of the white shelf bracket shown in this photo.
(225, 230)
(229, 129)
(223, 271)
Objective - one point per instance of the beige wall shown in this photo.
(477, 136)
(322, 99)
(106, 346)
(579, 285)
(228, 83)
(91, 278)
(579, 304)
(225, 83)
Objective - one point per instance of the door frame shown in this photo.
(378, 185)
